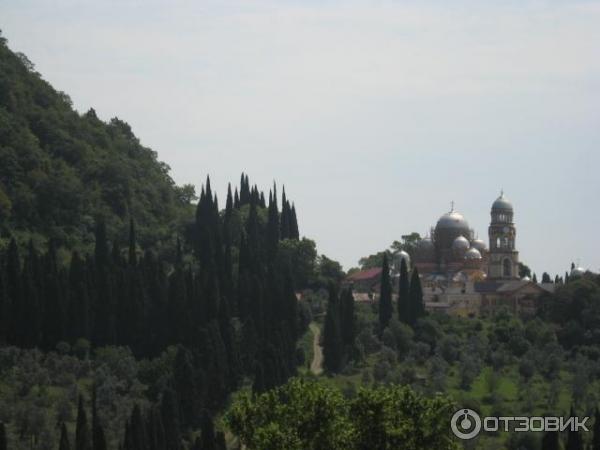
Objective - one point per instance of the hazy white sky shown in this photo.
(375, 115)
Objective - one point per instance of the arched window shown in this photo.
(506, 268)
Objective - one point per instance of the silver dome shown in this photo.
(525, 278)
(577, 271)
(473, 253)
(453, 219)
(502, 203)
(461, 243)
(425, 244)
(399, 256)
(479, 245)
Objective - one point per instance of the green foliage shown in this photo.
(307, 415)
(59, 170)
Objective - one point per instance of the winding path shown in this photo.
(316, 366)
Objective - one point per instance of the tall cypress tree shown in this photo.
(385, 295)
(82, 431)
(596, 437)
(64, 439)
(185, 386)
(551, 441)
(294, 231)
(332, 335)
(574, 440)
(3, 440)
(133, 260)
(169, 408)
(417, 308)
(403, 294)
(207, 432)
(348, 318)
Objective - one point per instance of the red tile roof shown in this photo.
(365, 274)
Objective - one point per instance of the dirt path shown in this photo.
(316, 366)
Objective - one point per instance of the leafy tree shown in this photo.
(309, 416)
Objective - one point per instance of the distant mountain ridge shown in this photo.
(60, 170)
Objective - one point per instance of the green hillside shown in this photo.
(59, 170)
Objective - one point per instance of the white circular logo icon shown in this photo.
(465, 424)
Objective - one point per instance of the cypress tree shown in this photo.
(3, 440)
(332, 337)
(285, 217)
(169, 408)
(403, 294)
(137, 429)
(236, 199)
(348, 319)
(82, 430)
(98, 438)
(185, 386)
(294, 232)
(4, 309)
(64, 439)
(385, 296)
(550, 441)
(207, 432)
(101, 245)
(79, 302)
(132, 245)
(417, 308)
(534, 278)
(14, 289)
(574, 440)
(596, 430)
(273, 226)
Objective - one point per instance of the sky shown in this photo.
(374, 115)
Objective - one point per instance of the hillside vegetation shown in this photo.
(60, 170)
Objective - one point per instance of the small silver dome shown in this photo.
(473, 253)
(502, 203)
(577, 272)
(479, 245)
(399, 256)
(525, 278)
(453, 219)
(461, 243)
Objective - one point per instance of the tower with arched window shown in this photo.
(503, 255)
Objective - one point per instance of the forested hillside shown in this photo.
(121, 299)
(60, 170)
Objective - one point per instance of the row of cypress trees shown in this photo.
(231, 307)
(410, 306)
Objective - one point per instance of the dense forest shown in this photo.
(120, 301)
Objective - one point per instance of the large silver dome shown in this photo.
(461, 243)
(425, 244)
(577, 271)
(502, 203)
(473, 253)
(453, 220)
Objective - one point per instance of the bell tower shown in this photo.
(503, 256)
